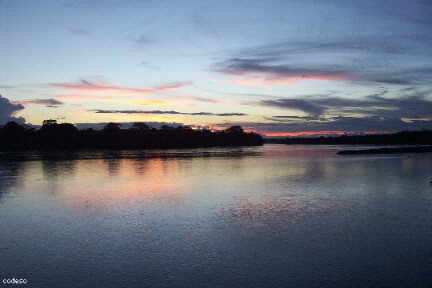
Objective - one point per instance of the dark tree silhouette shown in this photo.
(49, 122)
(140, 126)
(112, 128)
(12, 128)
(65, 136)
(234, 130)
(13, 136)
(400, 138)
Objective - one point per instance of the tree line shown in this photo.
(65, 136)
(423, 137)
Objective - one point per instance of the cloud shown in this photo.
(374, 113)
(148, 65)
(126, 125)
(266, 73)
(165, 112)
(134, 101)
(360, 44)
(79, 31)
(412, 105)
(140, 101)
(82, 97)
(369, 59)
(8, 110)
(50, 102)
(203, 99)
(296, 104)
(86, 85)
(261, 72)
(240, 66)
(338, 125)
(289, 118)
(142, 40)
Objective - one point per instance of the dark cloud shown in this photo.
(376, 59)
(216, 114)
(242, 66)
(410, 111)
(126, 125)
(414, 105)
(165, 112)
(296, 104)
(289, 118)
(391, 44)
(8, 110)
(391, 80)
(271, 69)
(342, 124)
(50, 102)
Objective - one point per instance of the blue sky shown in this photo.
(275, 67)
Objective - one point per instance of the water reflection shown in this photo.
(230, 152)
(113, 166)
(273, 218)
(10, 176)
(124, 181)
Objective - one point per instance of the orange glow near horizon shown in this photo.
(133, 101)
(314, 133)
(145, 102)
(301, 133)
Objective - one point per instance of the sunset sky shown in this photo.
(297, 67)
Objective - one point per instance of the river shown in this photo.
(270, 216)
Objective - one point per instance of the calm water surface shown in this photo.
(271, 216)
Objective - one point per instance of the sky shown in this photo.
(279, 68)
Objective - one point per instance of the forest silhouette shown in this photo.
(423, 137)
(65, 136)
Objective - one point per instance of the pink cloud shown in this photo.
(93, 86)
(81, 97)
(208, 100)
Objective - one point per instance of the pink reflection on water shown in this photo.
(122, 182)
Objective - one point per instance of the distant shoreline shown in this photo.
(420, 137)
(388, 150)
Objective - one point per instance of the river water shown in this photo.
(270, 216)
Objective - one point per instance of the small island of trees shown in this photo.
(65, 136)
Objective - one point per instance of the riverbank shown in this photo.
(388, 150)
